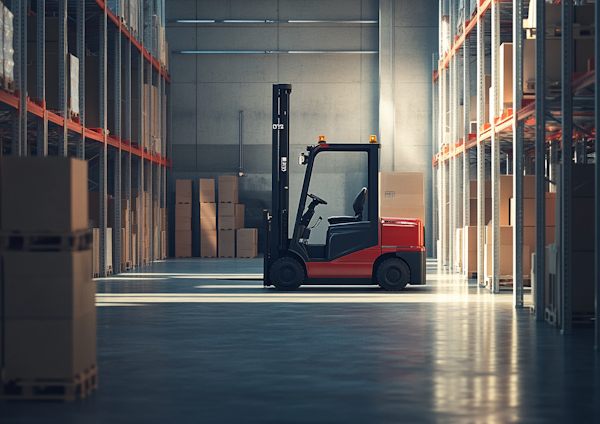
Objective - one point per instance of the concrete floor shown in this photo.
(202, 341)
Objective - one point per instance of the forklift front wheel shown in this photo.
(287, 274)
(393, 274)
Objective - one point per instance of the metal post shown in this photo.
(128, 229)
(140, 179)
(540, 146)
(480, 151)
(118, 152)
(81, 56)
(20, 69)
(434, 147)
(567, 156)
(102, 157)
(495, 108)
(518, 152)
(467, 124)
(63, 79)
(597, 186)
(42, 123)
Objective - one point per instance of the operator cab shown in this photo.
(345, 234)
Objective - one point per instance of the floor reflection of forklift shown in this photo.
(358, 249)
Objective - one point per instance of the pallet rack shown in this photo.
(117, 163)
(528, 138)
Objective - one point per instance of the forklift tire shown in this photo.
(287, 274)
(393, 274)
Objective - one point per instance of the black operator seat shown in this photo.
(358, 205)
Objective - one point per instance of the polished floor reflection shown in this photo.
(201, 340)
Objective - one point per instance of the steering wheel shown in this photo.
(317, 198)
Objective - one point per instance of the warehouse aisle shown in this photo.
(201, 340)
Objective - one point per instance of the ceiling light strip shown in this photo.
(276, 52)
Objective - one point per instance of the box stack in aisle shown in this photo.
(401, 195)
(208, 218)
(49, 312)
(94, 223)
(183, 218)
(247, 243)
(228, 210)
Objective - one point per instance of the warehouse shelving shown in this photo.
(119, 160)
(530, 139)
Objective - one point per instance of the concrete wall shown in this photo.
(336, 95)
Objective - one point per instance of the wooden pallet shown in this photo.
(46, 242)
(50, 389)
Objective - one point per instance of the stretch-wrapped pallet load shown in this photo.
(401, 195)
(8, 51)
(49, 313)
(183, 218)
(247, 243)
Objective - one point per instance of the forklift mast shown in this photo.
(277, 235)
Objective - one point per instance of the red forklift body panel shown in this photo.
(355, 265)
(402, 234)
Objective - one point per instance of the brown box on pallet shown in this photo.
(49, 348)
(400, 189)
(183, 251)
(506, 260)
(506, 234)
(208, 216)
(227, 209)
(247, 243)
(228, 189)
(59, 286)
(226, 243)
(208, 243)
(56, 191)
(240, 212)
(183, 191)
(183, 223)
(207, 190)
(183, 238)
(529, 211)
(473, 189)
(473, 211)
(183, 210)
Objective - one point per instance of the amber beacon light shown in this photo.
(373, 139)
(321, 139)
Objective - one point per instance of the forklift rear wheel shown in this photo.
(287, 274)
(393, 274)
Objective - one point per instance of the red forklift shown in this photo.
(359, 249)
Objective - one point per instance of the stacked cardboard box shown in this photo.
(183, 218)
(401, 195)
(247, 243)
(458, 246)
(470, 251)
(506, 250)
(228, 199)
(473, 202)
(208, 219)
(49, 315)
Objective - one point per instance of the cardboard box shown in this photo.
(49, 348)
(227, 209)
(401, 190)
(226, 243)
(45, 194)
(470, 261)
(59, 286)
(183, 210)
(251, 252)
(228, 189)
(529, 186)
(182, 251)
(183, 191)
(227, 223)
(208, 210)
(506, 260)
(247, 237)
(506, 235)
(529, 219)
(473, 211)
(473, 189)
(240, 212)
(529, 237)
(505, 85)
(208, 244)
(183, 238)
(207, 190)
(183, 223)
(470, 238)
